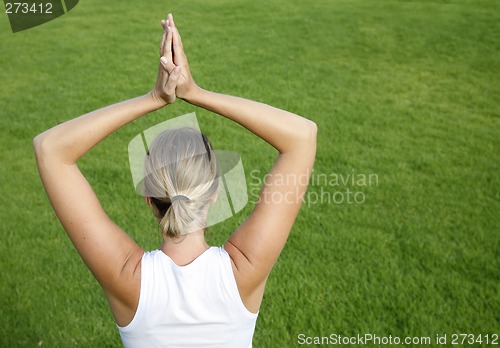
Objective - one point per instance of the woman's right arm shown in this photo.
(256, 244)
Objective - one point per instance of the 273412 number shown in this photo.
(462, 339)
(26, 8)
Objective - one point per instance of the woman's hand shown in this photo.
(168, 74)
(186, 86)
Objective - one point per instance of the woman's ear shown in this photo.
(148, 200)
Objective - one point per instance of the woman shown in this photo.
(186, 294)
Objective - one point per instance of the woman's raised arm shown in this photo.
(257, 243)
(111, 255)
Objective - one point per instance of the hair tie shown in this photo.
(181, 197)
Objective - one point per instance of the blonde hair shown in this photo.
(181, 180)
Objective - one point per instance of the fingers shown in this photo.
(169, 73)
(166, 58)
(178, 50)
(166, 46)
(162, 42)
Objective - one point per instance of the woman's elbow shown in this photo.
(41, 145)
(37, 143)
(311, 132)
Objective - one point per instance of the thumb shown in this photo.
(164, 62)
(167, 65)
(172, 80)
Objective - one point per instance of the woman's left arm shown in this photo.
(111, 255)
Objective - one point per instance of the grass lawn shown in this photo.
(400, 233)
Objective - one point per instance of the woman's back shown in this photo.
(196, 305)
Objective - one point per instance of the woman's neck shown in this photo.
(185, 249)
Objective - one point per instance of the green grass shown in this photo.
(406, 90)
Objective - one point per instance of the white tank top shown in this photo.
(197, 305)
